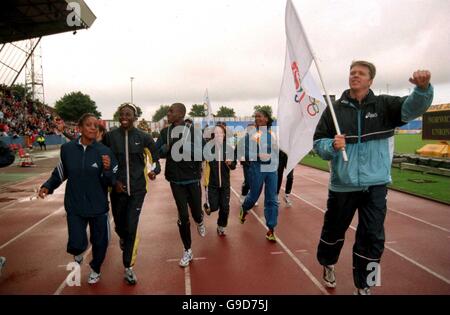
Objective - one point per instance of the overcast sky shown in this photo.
(175, 49)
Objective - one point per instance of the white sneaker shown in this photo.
(78, 259)
(2, 263)
(221, 230)
(329, 276)
(256, 204)
(288, 201)
(242, 198)
(201, 228)
(365, 291)
(93, 277)
(130, 276)
(187, 257)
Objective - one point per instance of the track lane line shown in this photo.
(31, 227)
(428, 270)
(63, 284)
(289, 252)
(393, 210)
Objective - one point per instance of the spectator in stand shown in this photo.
(41, 141)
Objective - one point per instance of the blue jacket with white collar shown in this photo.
(369, 129)
(87, 181)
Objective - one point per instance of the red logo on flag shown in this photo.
(300, 94)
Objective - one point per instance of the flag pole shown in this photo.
(330, 105)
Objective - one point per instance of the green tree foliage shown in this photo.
(197, 110)
(225, 112)
(71, 106)
(21, 90)
(266, 108)
(160, 113)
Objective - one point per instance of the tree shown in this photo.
(21, 90)
(71, 106)
(116, 114)
(225, 112)
(160, 113)
(197, 110)
(266, 108)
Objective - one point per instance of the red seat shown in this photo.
(25, 159)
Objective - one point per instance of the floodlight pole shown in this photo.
(131, 79)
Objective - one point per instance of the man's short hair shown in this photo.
(180, 107)
(369, 65)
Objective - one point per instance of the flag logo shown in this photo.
(300, 94)
(313, 106)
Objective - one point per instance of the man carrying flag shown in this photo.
(359, 180)
(368, 122)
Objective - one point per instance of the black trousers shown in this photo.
(219, 199)
(186, 196)
(245, 185)
(369, 240)
(78, 242)
(126, 211)
(289, 181)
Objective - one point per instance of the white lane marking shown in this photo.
(393, 210)
(187, 274)
(31, 228)
(437, 275)
(420, 220)
(178, 259)
(63, 284)
(187, 280)
(293, 257)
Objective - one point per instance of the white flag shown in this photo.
(300, 103)
(208, 109)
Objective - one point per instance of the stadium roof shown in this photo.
(25, 19)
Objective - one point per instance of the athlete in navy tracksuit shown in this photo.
(133, 148)
(181, 146)
(89, 168)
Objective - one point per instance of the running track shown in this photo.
(416, 260)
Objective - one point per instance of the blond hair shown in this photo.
(369, 65)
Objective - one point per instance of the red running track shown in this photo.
(416, 260)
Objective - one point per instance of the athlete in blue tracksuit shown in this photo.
(367, 123)
(261, 151)
(89, 168)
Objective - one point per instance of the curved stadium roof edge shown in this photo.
(25, 19)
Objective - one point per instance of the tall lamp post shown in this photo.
(131, 79)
